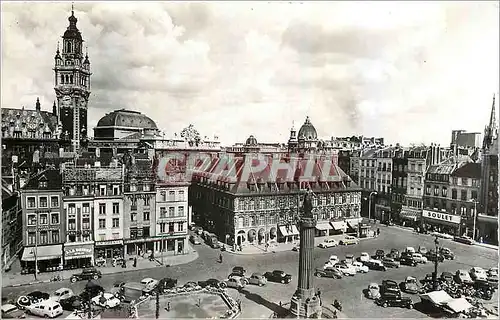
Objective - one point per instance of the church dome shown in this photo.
(251, 141)
(308, 131)
(127, 118)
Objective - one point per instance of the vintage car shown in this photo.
(348, 240)
(10, 311)
(464, 239)
(395, 301)
(238, 271)
(328, 273)
(419, 258)
(373, 264)
(257, 279)
(364, 257)
(410, 285)
(462, 276)
(347, 270)
(390, 263)
(478, 273)
(278, 276)
(212, 283)
(447, 253)
(390, 287)
(106, 300)
(361, 268)
(236, 282)
(373, 291)
(86, 274)
(328, 243)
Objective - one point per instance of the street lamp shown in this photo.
(474, 216)
(370, 204)
(436, 261)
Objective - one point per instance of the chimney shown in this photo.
(37, 105)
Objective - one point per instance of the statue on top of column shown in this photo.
(307, 204)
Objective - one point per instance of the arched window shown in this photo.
(68, 46)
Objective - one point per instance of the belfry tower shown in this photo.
(72, 84)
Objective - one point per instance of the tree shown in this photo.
(191, 135)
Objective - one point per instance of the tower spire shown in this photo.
(72, 8)
(493, 123)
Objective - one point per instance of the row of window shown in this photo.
(455, 209)
(145, 216)
(115, 223)
(171, 212)
(146, 202)
(172, 196)
(43, 218)
(115, 206)
(43, 237)
(454, 193)
(171, 227)
(43, 202)
(414, 203)
(458, 181)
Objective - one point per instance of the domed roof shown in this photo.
(72, 31)
(251, 141)
(127, 118)
(308, 131)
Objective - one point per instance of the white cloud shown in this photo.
(404, 71)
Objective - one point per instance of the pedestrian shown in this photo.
(378, 232)
(135, 262)
(168, 306)
(280, 304)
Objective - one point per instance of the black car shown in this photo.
(427, 279)
(432, 256)
(211, 283)
(390, 286)
(71, 304)
(278, 276)
(238, 271)
(464, 239)
(86, 274)
(394, 254)
(447, 253)
(447, 277)
(166, 284)
(394, 301)
(408, 261)
(328, 273)
(379, 254)
(38, 295)
(375, 265)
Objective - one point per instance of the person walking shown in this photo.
(135, 262)
(220, 258)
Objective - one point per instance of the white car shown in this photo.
(419, 258)
(410, 250)
(106, 300)
(493, 271)
(328, 243)
(360, 267)
(462, 276)
(150, 283)
(61, 294)
(348, 240)
(334, 259)
(347, 270)
(478, 273)
(364, 257)
(46, 309)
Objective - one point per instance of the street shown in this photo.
(260, 302)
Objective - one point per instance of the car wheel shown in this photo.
(73, 280)
(261, 284)
(95, 277)
(222, 285)
(410, 306)
(384, 305)
(46, 316)
(283, 281)
(318, 275)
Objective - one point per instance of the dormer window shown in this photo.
(42, 184)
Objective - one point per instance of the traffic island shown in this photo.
(204, 303)
(327, 312)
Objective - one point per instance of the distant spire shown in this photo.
(72, 9)
(37, 105)
(493, 122)
(57, 47)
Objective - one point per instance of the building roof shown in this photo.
(28, 124)
(51, 176)
(251, 141)
(127, 118)
(449, 165)
(369, 153)
(469, 170)
(239, 178)
(307, 131)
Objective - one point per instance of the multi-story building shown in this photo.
(487, 219)
(12, 230)
(344, 160)
(265, 208)
(411, 211)
(384, 180)
(436, 214)
(354, 165)
(139, 204)
(367, 180)
(399, 182)
(464, 201)
(44, 222)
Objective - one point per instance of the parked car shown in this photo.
(328, 243)
(257, 279)
(427, 279)
(348, 240)
(346, 270)
(447, 253)
(379, 255)
(478, 273)
(333, 259)
(462, 276)
(349, 258)
(46, 309)
(395, 301)
(328, 273)
(407, 261)
(63, 293)
(422, 250)
(373, 264)
(194, 239)
(236, 282)
(410, 285)
(373, 291)
(359, 267)
(86, 274)
(364, 257)
(150, 283)
(212, 283)
(464, 239)
(410, 250)
(419, 258)
(166, 284)
(390, 287)
(432, 255)
(278, 276)
(238, 271)
(71, 303)
(106, 300)
(394, 254)
(492, 275)
(37, 296)
(447, 277)
(10, 311)
(390, 263)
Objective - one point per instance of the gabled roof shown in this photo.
(51, 176)
(469, 170)
(29, 123)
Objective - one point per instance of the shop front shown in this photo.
(440, 221)
(109, 250)
(171, 244)
(352, 225)
(323, 229)
(78, 255)
(410, 217)
(48, 258)
(289, 233)
(140, 247)
(338, 227)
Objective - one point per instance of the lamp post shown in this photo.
(436, 262)
(370, 204)
(474, 217)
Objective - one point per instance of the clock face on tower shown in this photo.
(66, 101)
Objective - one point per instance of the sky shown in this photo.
(409, 72)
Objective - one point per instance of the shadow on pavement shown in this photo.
(268, 304)
(429, 311)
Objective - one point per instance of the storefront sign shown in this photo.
(109, 242)
(73, 252)
(140, 240)
(436, 215)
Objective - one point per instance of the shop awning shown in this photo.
(409, 214)
(283, 231)
(42, 253)
(295, 231)
(459, 305)
(323, 226)
(339, 225)
(353, 223)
